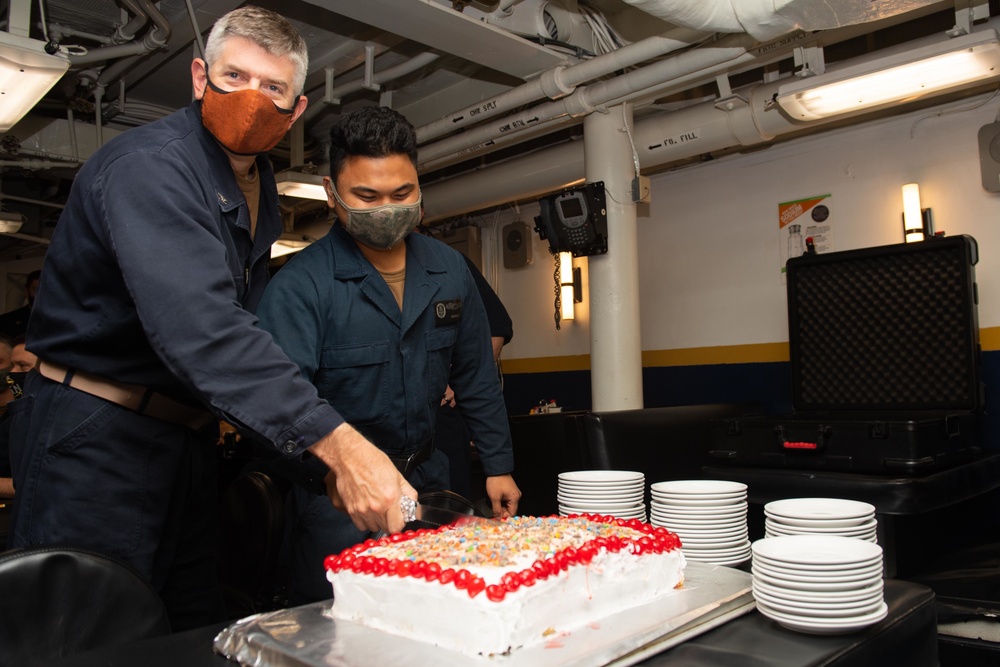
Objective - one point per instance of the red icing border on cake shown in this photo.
(655, 540)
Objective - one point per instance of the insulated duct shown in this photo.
(767, 19)
(696, 130)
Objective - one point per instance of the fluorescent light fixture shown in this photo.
(917, 222)
(901, 77)
(10, 223)
(287, 244)
(27, 72)
(293, 183)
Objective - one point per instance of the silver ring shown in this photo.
(408, 506)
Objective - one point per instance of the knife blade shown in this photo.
(441, 516)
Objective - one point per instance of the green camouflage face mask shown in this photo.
(381, 227)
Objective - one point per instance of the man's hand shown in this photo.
(362, 480)
(504, 495)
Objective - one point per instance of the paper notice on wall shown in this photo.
(799, 222)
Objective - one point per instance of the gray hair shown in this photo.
(271, 32)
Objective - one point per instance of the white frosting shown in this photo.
(446, 616)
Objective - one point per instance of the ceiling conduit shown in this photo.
(411, 65)
(562, 81)
(697, 62)
(713, 129)
(767, 19)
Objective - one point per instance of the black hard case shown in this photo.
(885, 364)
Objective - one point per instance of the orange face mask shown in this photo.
(246, 122)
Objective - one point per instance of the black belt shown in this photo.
(407, 463)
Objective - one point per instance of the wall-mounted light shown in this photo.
(918, 223)
(27, 72)
(295, 183)
(901, 77)
(570, 286)
(287, 244)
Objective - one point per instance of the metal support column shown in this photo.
(615, 341)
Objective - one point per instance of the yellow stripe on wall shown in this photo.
(989, 339)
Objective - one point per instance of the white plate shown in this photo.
(695, 512)
(819, 508)
(600, 504)
(727, 552)
(699, 486)
(640, 514)
(741, 533)
(819, 611)
(601, 476)
(601, 493)
(820, 597)
(707, 524)
(803, 586)
(871, 524)
(791, 574)
(739, 495)
(867, 538)
(814, 569)
(816, 550)
(725, 502)
(819, 523)
(774, 531)
(825, 626)
(715, 559)
(794, 581)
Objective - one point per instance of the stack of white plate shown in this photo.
(619, 493)
(820, 516)
(819, 584)
(710, 517)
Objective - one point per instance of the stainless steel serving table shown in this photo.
(308, 637)
(907, 636)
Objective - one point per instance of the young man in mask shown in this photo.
(381, 320)
(146, 338)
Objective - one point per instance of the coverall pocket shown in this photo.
(439, 344)
(354, 379)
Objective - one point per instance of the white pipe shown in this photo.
(695, 130)
(27, 237)
(27, 200)
(527, 177)
(390, 73)
(615, 339)
(35, 165)
(585, 100)
(560, 81)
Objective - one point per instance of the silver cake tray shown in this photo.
(306, 637)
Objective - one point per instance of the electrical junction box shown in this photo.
(516, 240)
(640, 189)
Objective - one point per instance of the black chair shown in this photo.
(56, 602)
(251, 532)
(544, 446)
(662, 443)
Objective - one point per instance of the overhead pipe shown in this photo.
(34, 165)
(28, 237)
(585, 100)
(411, 65)
(28, 200)
(153, 40)
(751, 119)
(767, 19)
(127, 32)
(561, 81)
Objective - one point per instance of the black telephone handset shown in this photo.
(575, 221)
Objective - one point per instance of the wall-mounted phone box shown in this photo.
(575, 220)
